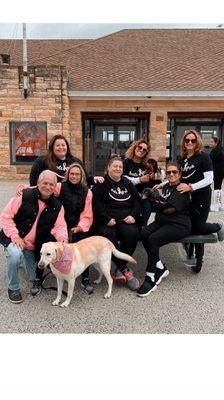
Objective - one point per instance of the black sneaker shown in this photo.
(88, 289)
(37, 287)
(15, 296)
(147, 287)
(160, 274)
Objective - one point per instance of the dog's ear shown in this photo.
(59, 250)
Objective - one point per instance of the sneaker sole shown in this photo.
(164, 275)
(36, 294)
(16, 301)
(146, 294)
(190, 265)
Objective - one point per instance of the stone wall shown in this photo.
(47, 101)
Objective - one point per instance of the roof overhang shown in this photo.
(144, 95)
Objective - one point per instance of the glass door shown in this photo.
(109, 140)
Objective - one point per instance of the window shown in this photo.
(4, 59)
(28, 140)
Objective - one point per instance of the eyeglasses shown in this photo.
(143, 149)
(193, 141)
(172, 171)
(75, 175)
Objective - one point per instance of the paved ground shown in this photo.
(184, 303)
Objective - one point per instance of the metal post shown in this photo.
(25, 64)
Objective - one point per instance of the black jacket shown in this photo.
(26, 216)
(217, 156)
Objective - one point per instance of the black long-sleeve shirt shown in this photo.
(115, 200)
(40, 164)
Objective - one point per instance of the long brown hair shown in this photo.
(51, 159)
(131, 150)
(199, 148)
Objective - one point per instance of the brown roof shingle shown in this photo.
(139, 59)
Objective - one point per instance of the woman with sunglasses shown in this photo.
(196, 178)
(136, 170)
(172, 223)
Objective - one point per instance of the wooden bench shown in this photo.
(197, 242)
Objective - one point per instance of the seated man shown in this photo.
(28, 221)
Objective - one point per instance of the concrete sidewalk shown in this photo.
(184, 302)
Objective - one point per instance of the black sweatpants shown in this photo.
(155, 236)
(126, 234)
(199, 211)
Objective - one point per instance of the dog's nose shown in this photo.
(40, 264)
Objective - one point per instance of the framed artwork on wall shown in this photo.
(28, 140)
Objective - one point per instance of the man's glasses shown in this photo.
(193, 141)
(172, 171)
(143, 149)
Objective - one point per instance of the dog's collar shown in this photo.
(65, 263)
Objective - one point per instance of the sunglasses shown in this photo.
(142, 148)
(193, 141)
(172, 171)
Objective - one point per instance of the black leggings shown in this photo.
(199, 211)
(155, 236)
(126, 234)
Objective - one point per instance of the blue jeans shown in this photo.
(15, 257)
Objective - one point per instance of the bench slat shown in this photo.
(212, 238)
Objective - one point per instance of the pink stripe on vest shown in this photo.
(65, 263)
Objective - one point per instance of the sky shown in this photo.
(81, 30)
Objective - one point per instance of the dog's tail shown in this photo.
(123, 256)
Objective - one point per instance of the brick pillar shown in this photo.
(157, 135)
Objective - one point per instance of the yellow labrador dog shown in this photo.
(67, 261)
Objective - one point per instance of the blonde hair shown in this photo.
(199, 148)
(131, 150)
(83, 175)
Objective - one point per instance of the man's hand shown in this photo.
(18, 242)
(129, 220)
(112, 222)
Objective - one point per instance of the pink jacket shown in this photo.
(59, 230)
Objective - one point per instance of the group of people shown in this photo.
(59, 206)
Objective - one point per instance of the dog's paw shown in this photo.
(65, 304)
(97, 281)
(107, 296)
(55, 302)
